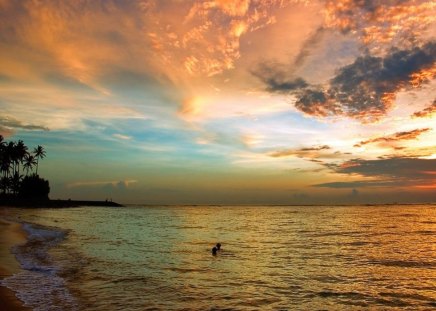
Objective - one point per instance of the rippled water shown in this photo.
(272, 258)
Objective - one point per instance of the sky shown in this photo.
(224, 101)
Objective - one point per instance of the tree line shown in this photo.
(19, 171)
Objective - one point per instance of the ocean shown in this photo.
(272, 258)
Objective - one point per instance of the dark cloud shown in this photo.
(399, 167)
(397, 171)
(310, 153)
(10, 123)
(366, 88)
(324, 147)
(314, 103)
(308, 46)
(406, 135)
(428, 111)
(277, 79)
(363, 90)
(360, 184)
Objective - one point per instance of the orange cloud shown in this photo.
(426, 112)
(234, 7)
(406, 135)
(382, 24)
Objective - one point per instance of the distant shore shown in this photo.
(55, 203)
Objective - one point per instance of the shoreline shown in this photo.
(11, 233)
(55, 203)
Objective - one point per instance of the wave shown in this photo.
(40, 285)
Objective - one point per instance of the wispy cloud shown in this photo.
(302, 152)
(8, 126)
(427, 111)
(122, 137)
(115, 183)
(317, 154)
(399, 136)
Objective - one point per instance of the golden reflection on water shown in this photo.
(304, 258)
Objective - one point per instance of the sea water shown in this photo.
(272, 258)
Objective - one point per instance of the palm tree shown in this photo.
(4, 161)
(10, 158)
(39, 152)
(20, 153)
(29, 163)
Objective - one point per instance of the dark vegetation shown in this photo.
(19, 179)
(20, 184)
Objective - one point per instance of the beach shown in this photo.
(11, 234)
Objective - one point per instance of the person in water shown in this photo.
(216, 248)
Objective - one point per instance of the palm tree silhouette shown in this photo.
(20, 154)
(29, 163)
(39, 152)
(14, 161)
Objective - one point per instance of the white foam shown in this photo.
(39, 285)
(37, 233)
(41, 292)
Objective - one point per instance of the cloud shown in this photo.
(411, 169)
(205, 35)
(308, 46)
(426, 112)
(118, 184)
(312, 153)
(122, 137)
(360, 184)
(8, 125)
(399, 136)
(276, 78)
(380, 23)
(396, 171)
(364, 90)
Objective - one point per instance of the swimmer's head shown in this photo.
(218, 246)
(214, 250)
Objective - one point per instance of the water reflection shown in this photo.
(334, 258)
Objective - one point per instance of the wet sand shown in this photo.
(10, 234)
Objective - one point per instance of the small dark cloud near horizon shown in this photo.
(399, 136)
(364, 90)
(427, 111)
(359, 184)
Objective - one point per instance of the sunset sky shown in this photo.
(224, 101)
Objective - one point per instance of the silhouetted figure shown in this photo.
(214, 250)
(218, 246)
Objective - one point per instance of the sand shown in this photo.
(10, 234)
